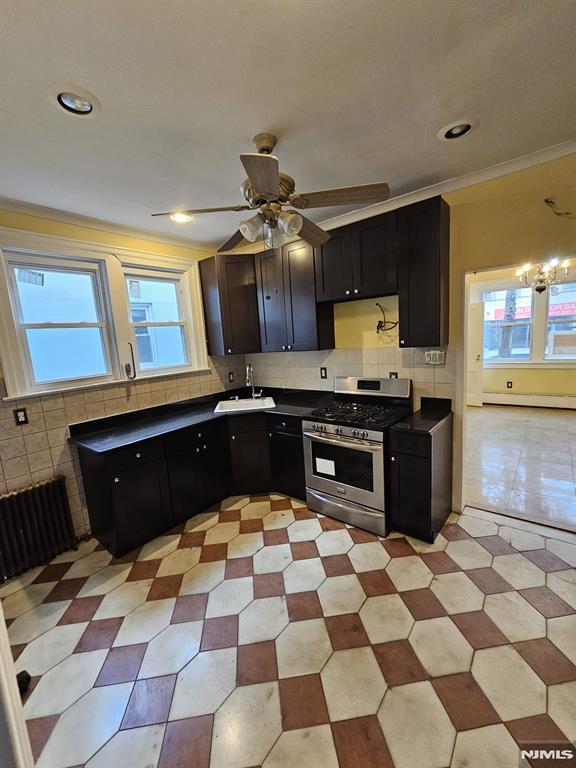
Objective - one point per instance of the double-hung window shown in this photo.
(561, 322)
(507, 324)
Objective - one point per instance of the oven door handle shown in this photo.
(359, 444)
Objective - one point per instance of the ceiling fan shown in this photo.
(267, 190)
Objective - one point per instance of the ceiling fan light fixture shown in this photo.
(274, 237)
(251, 229)
(290, 223)
(181, 218)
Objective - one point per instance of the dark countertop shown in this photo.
(419, 422)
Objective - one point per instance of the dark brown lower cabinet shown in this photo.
(249, 454)
(287, 456)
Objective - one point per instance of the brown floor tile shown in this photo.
(330, 524)
(423, 604)
(149, 702)
(268, 584)
(376, 583)
(260, 497)
(547, 602)
(99, 634)
(398, 547)
(65, 590)
(189, 608)
(346, 631)
(131, 557)
(337, 565)
(271, 538)
(277, 504)
(302, 702)
(238, 567)
(81, 609)
(547, 661)
(212, 552)
(164, 587)
(252, 526)
(496, 545)
(545, 560)
(440, 562)
(39, 731)
(360, 743)
(52, 573)
(304, 550)
(193, 539)
(303, 605)
(359, 536)
(454, 533)
(489, 581)
(256, 663)
(17, 650)
(479, 629)
(146, 569)
(399, 663)
(538, 728)
(219, 633)
(177, 529)
(303, 513)
(121, 665)
(465, 702)
(229, 516)
(187, 743)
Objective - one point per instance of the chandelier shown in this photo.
(543, 275)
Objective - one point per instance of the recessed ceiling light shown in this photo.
(74, 103)
(456, 130)
(181, 218)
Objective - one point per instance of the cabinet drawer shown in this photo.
(409, 442)
(185, 440)
(134, 454)
(289, 423)
(254, 422)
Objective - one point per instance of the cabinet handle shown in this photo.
(137, 455)
(233, 437)
(401, 341)
(355, 290)
(289, 346)
(269, 434)
(283, 346)
(229, 351)
(116, 479)
(199, 434)
(392, 458)
(204, 446)
(347, 293)
(283, 423)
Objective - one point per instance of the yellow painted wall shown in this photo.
(530, 381)
(45, 226)
(355, 323)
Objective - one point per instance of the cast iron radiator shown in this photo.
(35, 525)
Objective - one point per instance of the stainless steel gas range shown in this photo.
(344, 446)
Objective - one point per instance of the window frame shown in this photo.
(511, 324)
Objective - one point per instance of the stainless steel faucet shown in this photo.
(250, 381)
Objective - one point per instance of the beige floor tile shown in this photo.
(255, 510)
(341, 594)
(544, 478)
(368, 557)
(84, 548)
(88, 565)
(84, 728)
(562, 632)
(22, 601)
(132, 748)
(280, 518)
(477, 527)
(514, 689)
(521, 539)
(304, 575)
(441, 647)
(18, 583)
(303, 648)
(469, 554)
(416, 727)
(235, 502)
(245, 545)
(304, 530)
(222, 533)
(542, 506)
(145, 622)
(159, 548)
(201, 522)
(457, 593)
(212, 676)
(514, 615)
(271, 559)
(409, 573)
(564, 584)
(37, 621)
(563, 550)
(172, 649)
(246, 726)
(486, 747)
(487, 494)
(562, 707)
(50, 648)
(310, 747)
(386, 618)
(518, 571)
(353, 683)
(334, 542)
(263, 619)
(124, 599)
(229, 597)
(423, 546)
(104, 581)
(202, 578)
(179, 561)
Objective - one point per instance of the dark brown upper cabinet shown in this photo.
(290, 318)
(423, 273)
(359, 261)
(230, 304)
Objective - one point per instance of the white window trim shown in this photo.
(113, 262)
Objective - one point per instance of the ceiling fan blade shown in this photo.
(263, 173)
(206, 210)
(232, 242)
(362, 193)
(312, 233)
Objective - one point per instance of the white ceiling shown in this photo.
(356, 91)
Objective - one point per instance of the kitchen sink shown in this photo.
(245, 404)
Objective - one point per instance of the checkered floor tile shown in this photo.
(262, 634)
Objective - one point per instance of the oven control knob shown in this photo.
(338, 430)
(354, 433)
(314, 427)
(364, 434)
(323, 427)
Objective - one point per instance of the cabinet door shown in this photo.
(375, 257)
(250, 462)
(300, 296)
(333, 262)
(287, 464)
(423, 273)
(409, 494)
(237, 282)
(182, 472)
(213, 465)
(141, 501)
(271, 300)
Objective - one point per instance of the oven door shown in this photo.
(346, 468)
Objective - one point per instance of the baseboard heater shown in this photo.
(35, 526)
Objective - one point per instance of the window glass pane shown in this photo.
(158, 299)
(54, 296)
(561, 341)
(161, 346)
(561, 328)
(66, 353)
(507, 324)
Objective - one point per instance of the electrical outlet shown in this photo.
(323, 373)
(393, 375)
(20, 416)
(230, 376)
(509, 384)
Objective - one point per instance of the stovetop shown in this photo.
(360, 415)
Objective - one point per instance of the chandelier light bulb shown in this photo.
(553, 262)
(251, 229)
(565, 264)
